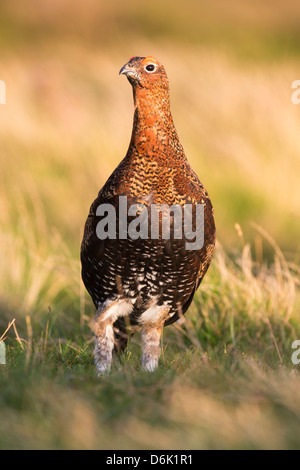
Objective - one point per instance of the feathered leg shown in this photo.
(104, 332)
(151, 346)
(151, 334)
(104, 344)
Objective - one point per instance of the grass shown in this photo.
(226, 379)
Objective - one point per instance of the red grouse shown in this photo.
(139, 271)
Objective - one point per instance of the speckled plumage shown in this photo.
(150, 281)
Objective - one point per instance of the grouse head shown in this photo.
(146, 72)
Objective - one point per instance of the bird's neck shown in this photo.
(153, 122)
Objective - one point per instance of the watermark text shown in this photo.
(2, 353)
(2, 92)
(296, 93)
(152, 221)
(296, 355)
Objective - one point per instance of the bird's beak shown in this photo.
(129, 71)
(125, 69)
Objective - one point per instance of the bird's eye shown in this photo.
(150, 68)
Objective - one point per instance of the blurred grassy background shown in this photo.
(65, 126)
(68, 116)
